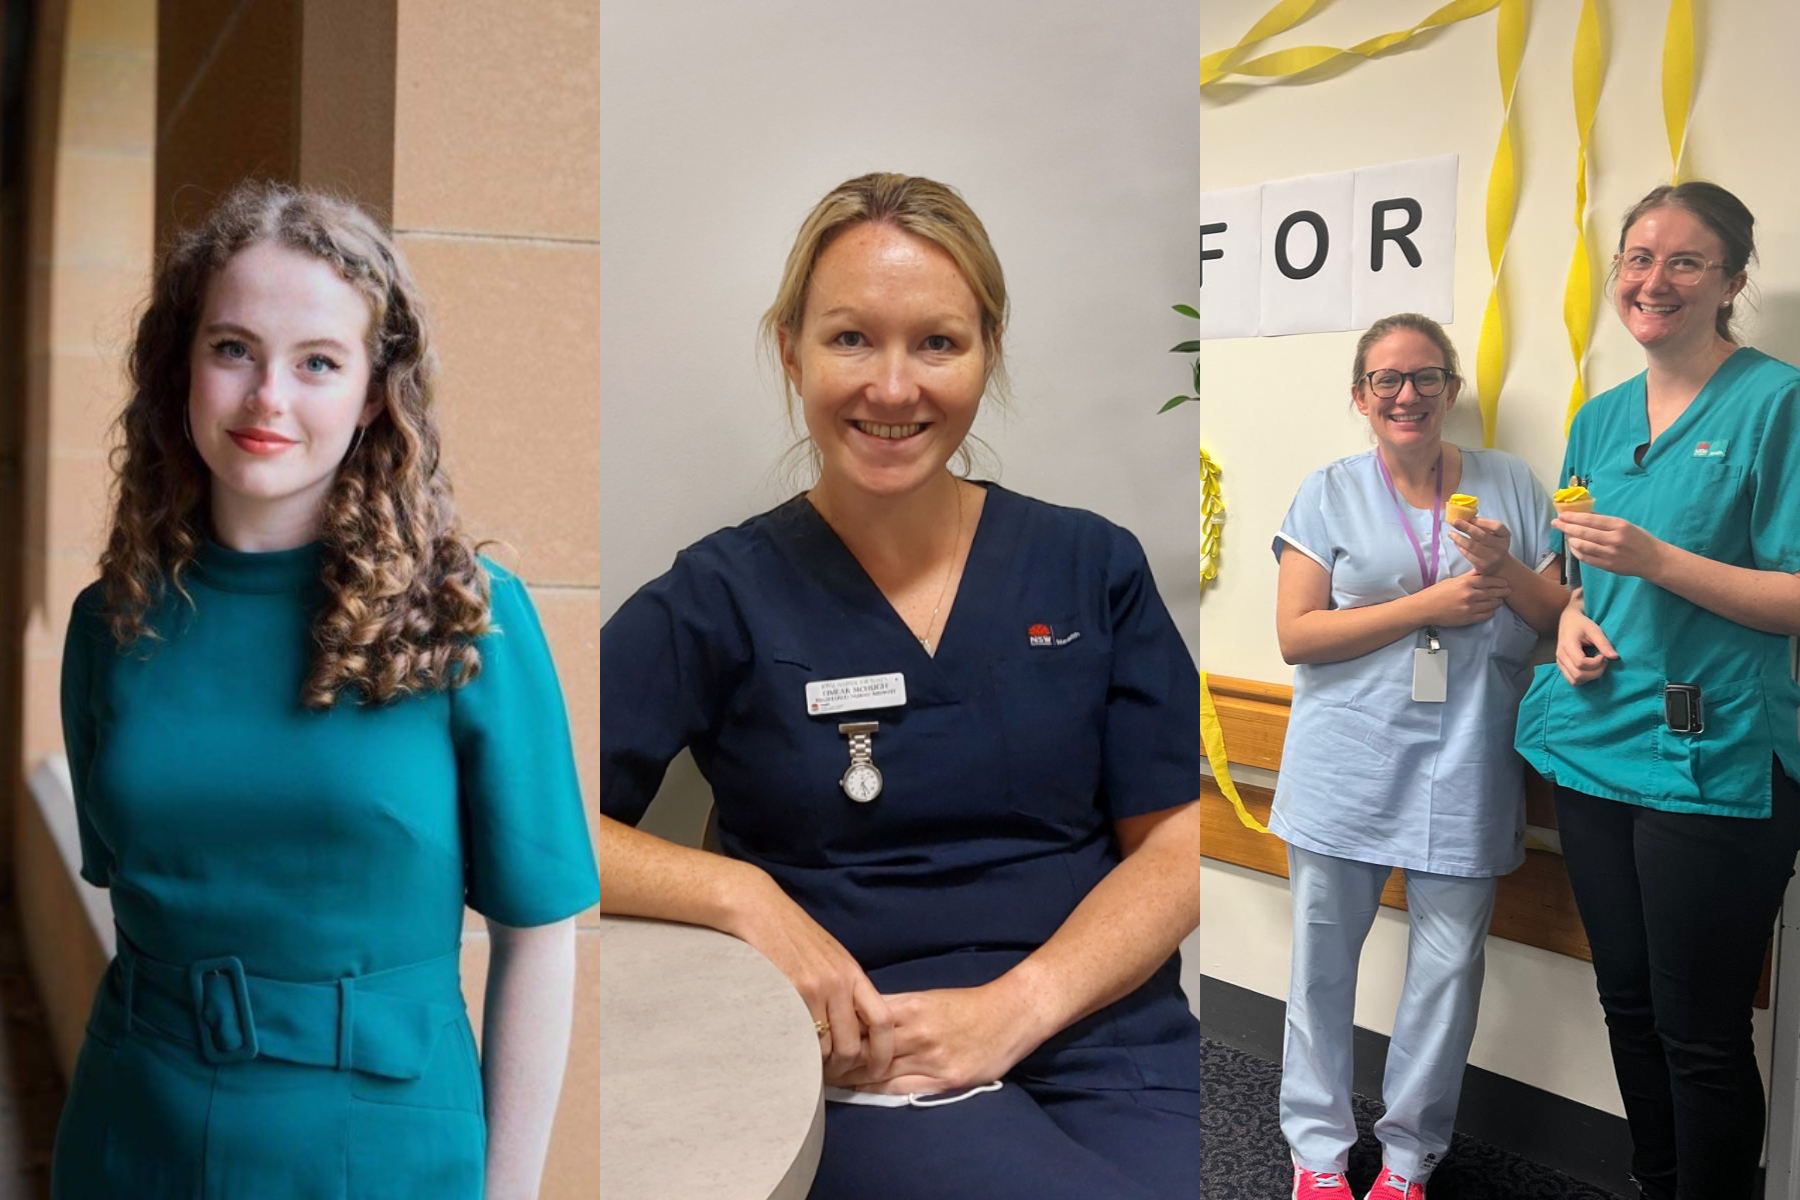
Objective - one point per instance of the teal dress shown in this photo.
(284, 1019)
(1723, 481)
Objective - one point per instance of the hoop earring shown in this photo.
(356, 443)
(187, 426)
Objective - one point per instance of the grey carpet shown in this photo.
(1245, 1158)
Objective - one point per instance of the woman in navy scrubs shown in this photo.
(951, 737)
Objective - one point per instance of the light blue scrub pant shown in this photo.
(1335, 901)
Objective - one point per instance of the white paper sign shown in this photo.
(1306, 255)
(1329, 252)
(1403, 249)
(1230, 262)
(848, 695)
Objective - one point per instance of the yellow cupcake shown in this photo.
(1460, 508)
(1573, 500)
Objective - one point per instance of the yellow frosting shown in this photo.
(1461, 501)
(1569, 495)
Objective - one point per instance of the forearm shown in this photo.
(642, 875)
(1328, 635)
(1764, 600)
(1119, 934)
(525, 1044)
(1538, 599)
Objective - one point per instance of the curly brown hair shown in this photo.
(406, 595)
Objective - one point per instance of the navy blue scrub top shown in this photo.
(1061, 698)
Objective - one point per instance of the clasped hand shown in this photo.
(945, 1040)
(1463, 599)
(912, 1042)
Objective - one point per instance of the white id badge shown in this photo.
(825, 696)
(1431, 675)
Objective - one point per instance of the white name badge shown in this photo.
(848, 695)
(1431, 675)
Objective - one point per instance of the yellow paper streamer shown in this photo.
(1212, 518)
(1283, 17)
(1213, 738)
(1502, 201)
(1678, 80)
(1283, 63)
(1578, 290)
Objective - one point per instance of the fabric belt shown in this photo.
(385, 1023)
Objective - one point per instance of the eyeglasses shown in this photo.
(1428, 382)
(1677, 268)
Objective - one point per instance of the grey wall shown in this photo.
(1069, 126)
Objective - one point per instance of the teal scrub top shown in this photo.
(229, 820)
(1723, 481)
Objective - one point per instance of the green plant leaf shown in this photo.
(1176, 401)
(1187, 310)
(1185, 348)
(1196, 379)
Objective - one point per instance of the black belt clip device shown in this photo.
(1682, 710)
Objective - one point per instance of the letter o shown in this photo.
(1320, 233)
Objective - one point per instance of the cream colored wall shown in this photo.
(1277, 408)
(91, 166)
(1069, 129)
(496, 164)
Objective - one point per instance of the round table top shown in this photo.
(709, 1069)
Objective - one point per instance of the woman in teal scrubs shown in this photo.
(1668, 722)
(306, 726)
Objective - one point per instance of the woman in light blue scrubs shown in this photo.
(1668, 722)
(951, 737)
(1410, 634)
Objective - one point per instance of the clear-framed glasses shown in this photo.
(1428, 382)
(1636, 265)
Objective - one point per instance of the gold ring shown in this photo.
(824, 1027)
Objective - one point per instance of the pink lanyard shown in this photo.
(1428, 572)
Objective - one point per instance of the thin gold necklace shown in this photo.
(949, 567)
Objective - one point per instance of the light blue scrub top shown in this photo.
(1724, 482)
(1367, 772)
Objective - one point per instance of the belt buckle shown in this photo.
(210, 1049)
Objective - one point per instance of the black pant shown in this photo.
(1678, 909)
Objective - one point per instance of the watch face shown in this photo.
(862, 783)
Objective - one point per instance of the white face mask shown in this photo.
(837, 1095)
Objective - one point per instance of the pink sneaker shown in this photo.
(1320, 1185)
(1390, 1185)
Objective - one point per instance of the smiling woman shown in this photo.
(306, 725)
(1410, 620)
(950, 735)
(1667, 722)
(279, 388)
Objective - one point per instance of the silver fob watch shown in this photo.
(862, 779)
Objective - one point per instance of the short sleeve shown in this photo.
(666, 660)
(1152, 746)
(529, 860)
(1304, 528)
(1534, 542)
(1775, 509)
(80, 646)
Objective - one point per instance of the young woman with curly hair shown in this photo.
(306, 725)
